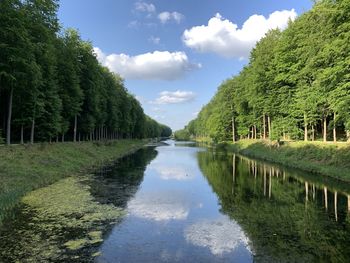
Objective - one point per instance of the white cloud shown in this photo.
(154, 40)
(161, 65)
(219, 236)
(159, 206)
(144, 7)
(169, 97)
(165, 17)
(223, 37)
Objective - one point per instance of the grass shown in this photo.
(329, 159)
(26, 168)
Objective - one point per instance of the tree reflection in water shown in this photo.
(288, 215)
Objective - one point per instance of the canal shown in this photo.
(183, 203)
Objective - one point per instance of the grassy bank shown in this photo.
(25, 168)
(330, 159)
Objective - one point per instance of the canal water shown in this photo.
(183, 203)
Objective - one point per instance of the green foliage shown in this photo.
(182, 135)
(296, 81)
(59, 87)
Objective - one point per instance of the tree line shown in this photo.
(52, 86)
(296, 85)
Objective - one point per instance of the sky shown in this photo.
(174, 54)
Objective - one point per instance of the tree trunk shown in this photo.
(306, 191)
(32, 132)
(313, 132)
(255, 136)
(324, 128)
(75, 128)
(269, 125)
(22, 140)
(9, 119)
(334, 128)
(63, 137)
(264, 124)
(348, 135)
(305, 128)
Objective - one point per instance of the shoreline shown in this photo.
(26, 168)
(331, 160)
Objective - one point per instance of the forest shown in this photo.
(296, 85)
(52, 87)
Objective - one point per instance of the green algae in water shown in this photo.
(94, 237)
(61, 220)
(76, 244)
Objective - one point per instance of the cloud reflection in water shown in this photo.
(220, 236)
(174, 173)
(159, 206)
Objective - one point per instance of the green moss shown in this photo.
(68, 204)
(62, 218)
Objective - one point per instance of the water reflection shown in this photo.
(118, 182)
(288, 216)
(220, 236)
(175, 217)
(172, 172)
(159, 206)
(168, 165)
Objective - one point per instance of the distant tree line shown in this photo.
(53, 88)
(296, 85)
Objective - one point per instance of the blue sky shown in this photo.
(173, 54)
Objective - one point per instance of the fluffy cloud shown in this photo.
(144, 7)
(165, 17)
(175, 97)
(223, 37)
(161, 65)
(219, 236)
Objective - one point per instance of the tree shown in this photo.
(16, 55)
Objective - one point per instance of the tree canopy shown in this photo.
(52, 86)
(295, 86)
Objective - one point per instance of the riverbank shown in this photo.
(329, 159)
(29, 167)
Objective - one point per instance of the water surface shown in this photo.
(183, 203)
